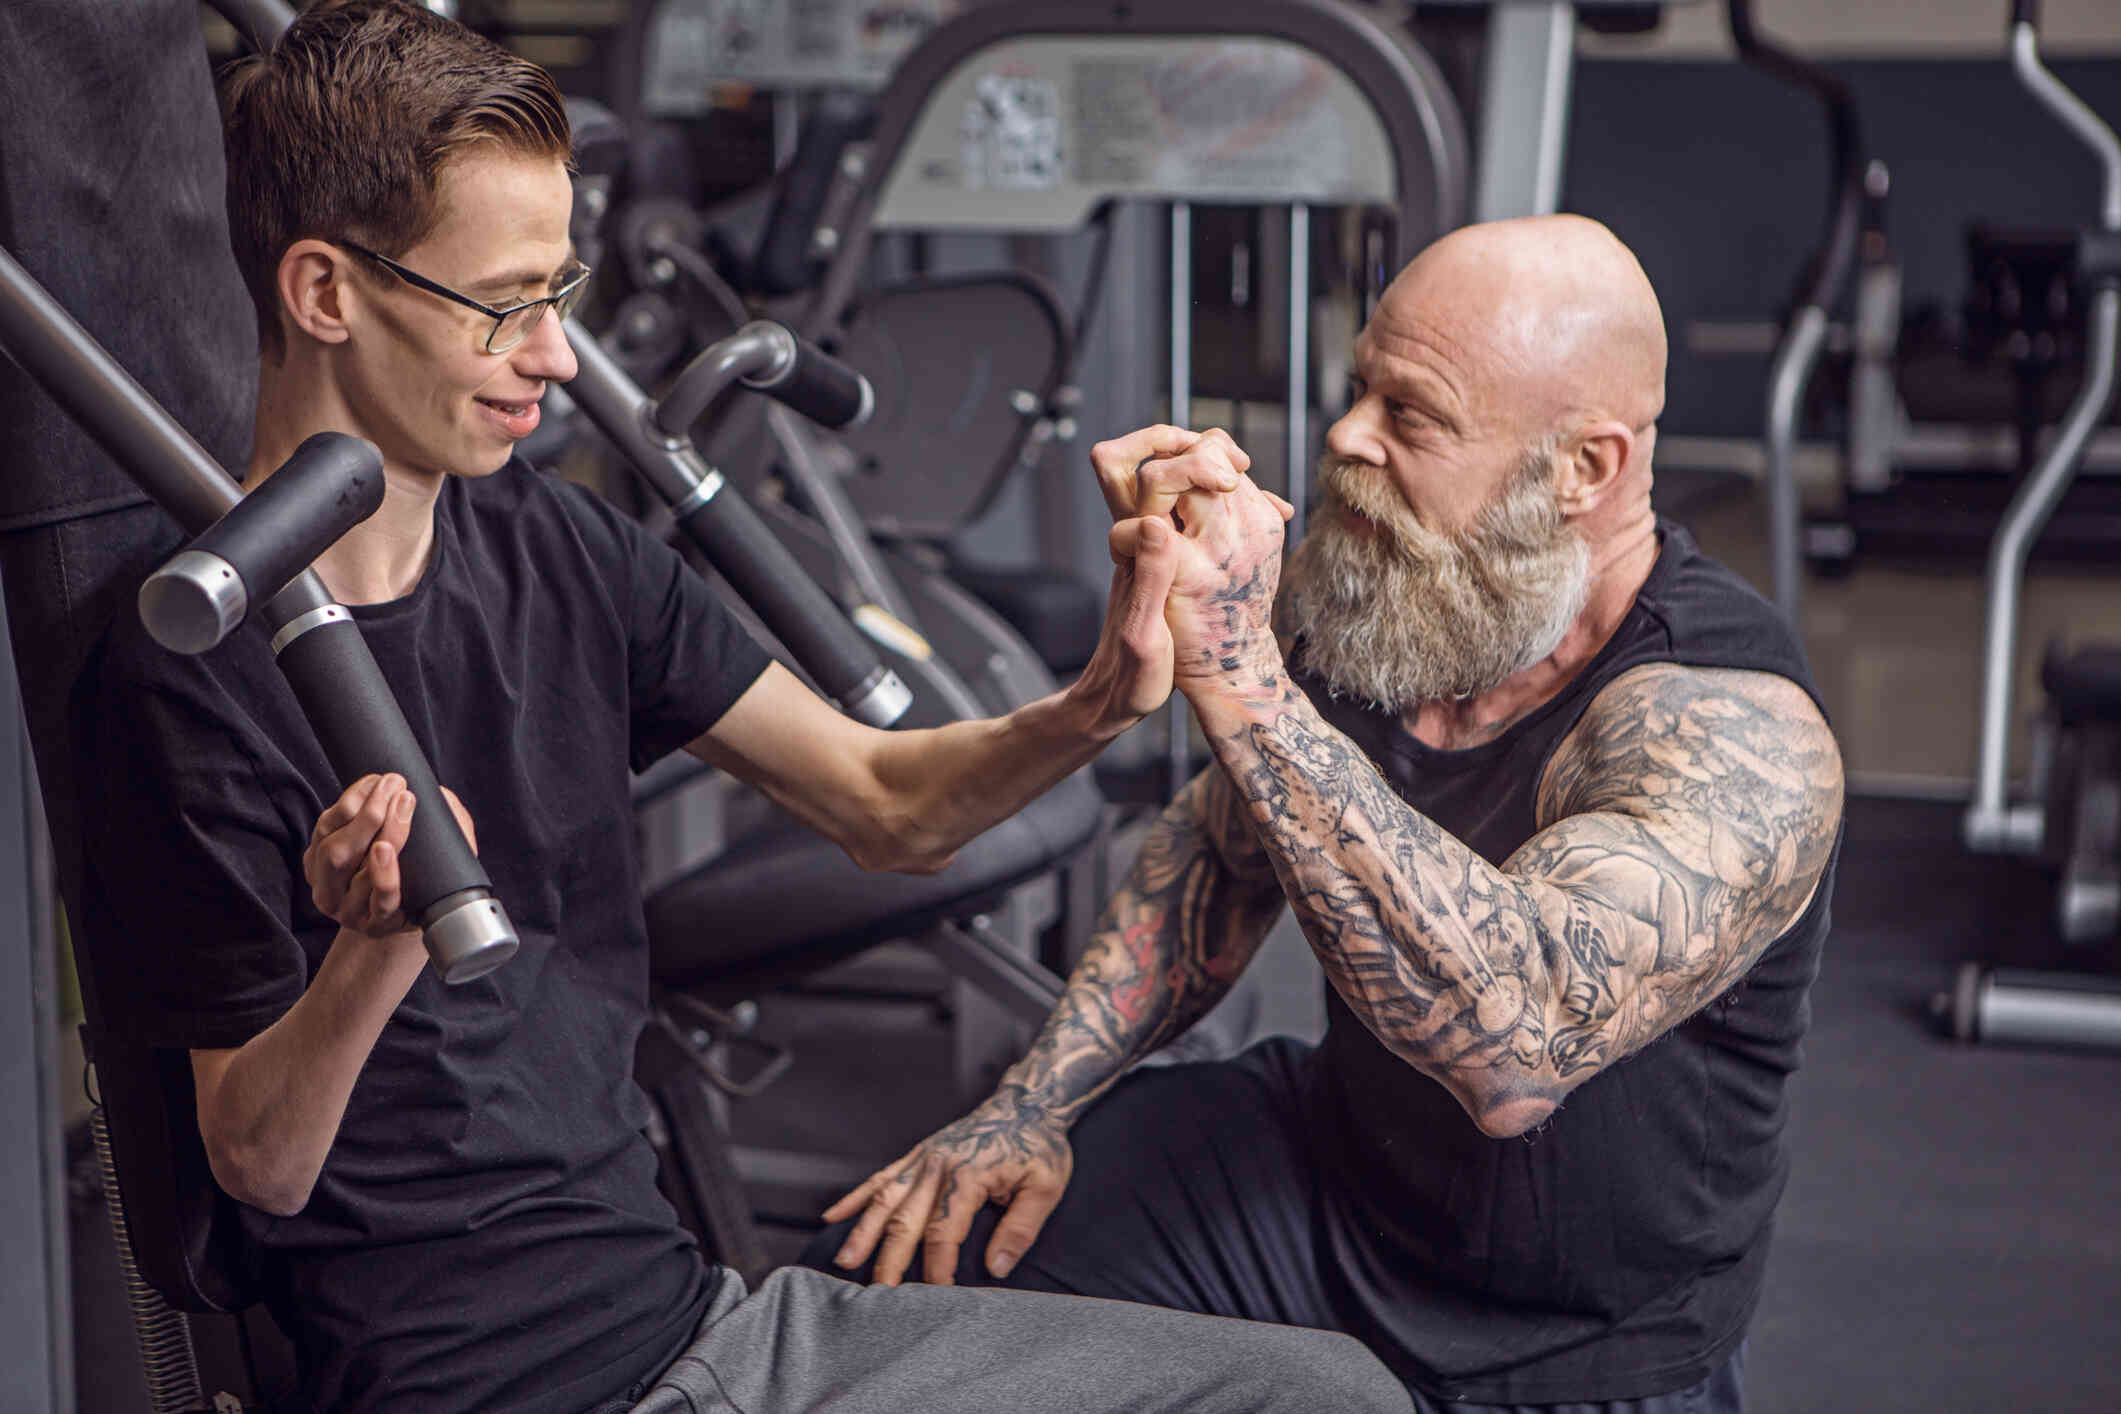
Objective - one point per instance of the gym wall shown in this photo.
(1717, 177)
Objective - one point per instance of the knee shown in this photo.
(1312, 1369)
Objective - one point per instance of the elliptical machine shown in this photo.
(1804, 335)
(2072, 817)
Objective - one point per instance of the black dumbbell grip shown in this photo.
(363, 732)
(332, 483)
(763, 573)
(818, 386)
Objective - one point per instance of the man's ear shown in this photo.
(314, 293)
(1597, 455)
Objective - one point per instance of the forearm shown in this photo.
(1172, 942)
(275, 1110)
(942, 786)
(1441, 955)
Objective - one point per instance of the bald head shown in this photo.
(1543, 321)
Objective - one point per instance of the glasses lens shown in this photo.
(514, 327)
(568, 299)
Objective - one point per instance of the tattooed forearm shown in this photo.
(1173, 940)
(1688, 819)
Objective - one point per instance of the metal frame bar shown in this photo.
(1524, 109)
(1178, 750)
(1992, 823)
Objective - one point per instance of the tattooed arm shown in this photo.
(1176, 936)
(1686, 822)
(1190, 917)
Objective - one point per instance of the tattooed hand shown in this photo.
(1227, 561)
(1011, 1150)
(1142, 476)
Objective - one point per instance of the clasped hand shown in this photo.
(1196, 551)
(351, 864)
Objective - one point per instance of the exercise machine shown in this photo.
(2073, 816)
(1037, 119)
(1819, 288)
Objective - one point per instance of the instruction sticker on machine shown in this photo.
(694, 45)
(1012, 135)
(1062, 124)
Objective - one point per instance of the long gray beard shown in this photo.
(1407, 615)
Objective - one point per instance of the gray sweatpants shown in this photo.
(807, 1341)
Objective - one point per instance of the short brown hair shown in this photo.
(341, 131)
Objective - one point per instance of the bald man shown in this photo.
(1556, 805)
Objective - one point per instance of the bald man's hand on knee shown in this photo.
(1010, 1151)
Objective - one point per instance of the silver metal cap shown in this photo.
(468, 936)
(193, 602)
(881, 699)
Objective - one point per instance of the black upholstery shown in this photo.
(783, 903)
(91, 195)
(1058, 612)
(2085, 686)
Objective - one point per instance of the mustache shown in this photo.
(1395, 612)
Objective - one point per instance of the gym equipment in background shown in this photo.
(1939, 410)
(779, 904)
(2073, 819)
(1030, 118)
(1818, 289)
(653, 436)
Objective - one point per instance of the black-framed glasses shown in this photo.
(511, 326)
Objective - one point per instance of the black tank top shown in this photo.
(1616, 1251)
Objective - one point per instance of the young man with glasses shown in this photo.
(448, 1192)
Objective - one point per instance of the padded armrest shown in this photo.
(783, 903)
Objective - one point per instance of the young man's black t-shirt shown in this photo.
(486, 1232)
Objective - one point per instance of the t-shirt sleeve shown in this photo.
(196, 909)
(688, 657)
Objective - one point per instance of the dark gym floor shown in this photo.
(1951, 1236)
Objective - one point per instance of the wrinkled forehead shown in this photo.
(1464, 342)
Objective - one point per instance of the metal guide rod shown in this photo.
(1991, 824)
(1299, 364)
(1794, 362)
(1524, 116)
(1180, 756)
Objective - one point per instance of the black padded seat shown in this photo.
(1059, 613)
(2085, 686)
(783, 903)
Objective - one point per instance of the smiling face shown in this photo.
(415, 374)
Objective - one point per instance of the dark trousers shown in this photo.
(1196, 1188)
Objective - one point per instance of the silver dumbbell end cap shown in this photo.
(468, 936)
(193, 602)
